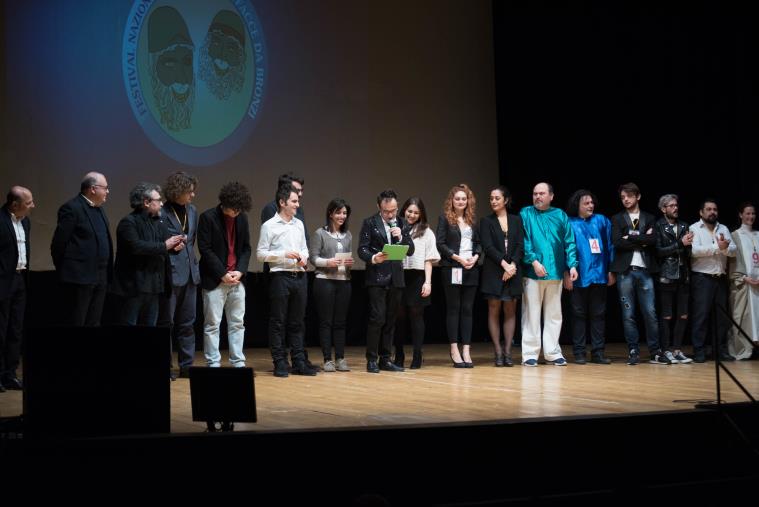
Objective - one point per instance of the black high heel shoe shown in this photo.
(462, 364)
(468, 364)
(416, 361)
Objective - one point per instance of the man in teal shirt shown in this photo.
(549, 251)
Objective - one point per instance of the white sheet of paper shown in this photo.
(595, 246)
(457, 275)
(342, 257)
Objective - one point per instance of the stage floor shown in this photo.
(439, 393)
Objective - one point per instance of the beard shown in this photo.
(175, 115)
(710, 219)
(221, 85)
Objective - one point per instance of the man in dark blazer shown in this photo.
(14, 264)
(224, 246)
(82, 252)
(383, 278)
(142, 270)
(632, 233)
(178, 310)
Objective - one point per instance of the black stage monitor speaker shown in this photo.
(101, 381)
(223, 395)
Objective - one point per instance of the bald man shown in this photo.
(82, 252)
(549, 252)
(14, 264)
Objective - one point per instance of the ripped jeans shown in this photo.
(637, 286)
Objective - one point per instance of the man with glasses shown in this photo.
(82, 252)
(14, 266)
(634, 263)
(142, 257)
(383, 279)
(673, 246)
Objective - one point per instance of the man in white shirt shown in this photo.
(14, 264)
(712, 245)
(282, 245)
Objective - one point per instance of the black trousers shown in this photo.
(85, 303)
(178, 312)
(288, 294)
(706, 292)
(410, 321)
(673, 304)
(333, 299)
(383, 307)
(12, 327)
(459, 301)
(588, 309)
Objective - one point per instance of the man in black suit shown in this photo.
(224, 246)
(383, 278)
(178, 310)
(82, 252)
(632, 233)
(14, 264)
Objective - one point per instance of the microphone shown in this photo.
(392, 223)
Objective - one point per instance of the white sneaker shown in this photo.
(329, 366)
(671, 357)
(682, 358)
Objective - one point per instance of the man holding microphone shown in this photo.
(383, 278)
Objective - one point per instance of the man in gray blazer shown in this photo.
(178, 310)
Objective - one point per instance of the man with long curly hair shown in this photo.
(224, 245)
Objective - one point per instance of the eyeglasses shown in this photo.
(672, 205)
(104, 187)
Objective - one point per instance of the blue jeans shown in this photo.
(229, 300)
(637, 286)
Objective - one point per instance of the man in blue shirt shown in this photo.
(595, 252)
(549, 251)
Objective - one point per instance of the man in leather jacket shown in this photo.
(673, 245)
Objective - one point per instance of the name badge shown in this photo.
(595, 246)
(457, 275)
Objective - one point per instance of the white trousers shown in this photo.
(541, 297)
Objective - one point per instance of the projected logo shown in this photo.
(195, 74)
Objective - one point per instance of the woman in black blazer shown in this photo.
(502, 239)
(458, 243)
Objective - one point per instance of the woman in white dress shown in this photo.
(744, 284)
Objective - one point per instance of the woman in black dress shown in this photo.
(502, 240)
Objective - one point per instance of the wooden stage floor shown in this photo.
(439, 393)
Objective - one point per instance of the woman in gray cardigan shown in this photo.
(330, 251)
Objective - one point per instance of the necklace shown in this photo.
(183, 223)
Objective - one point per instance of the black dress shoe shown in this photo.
(2, 389)
(13, 384)
(580, 360)
(724, 357)
(600, 359)
(416, 362)
(468, 364)
(282, 369)
(371, 367)
(302, 368)
(400, 357)
(388, 366)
